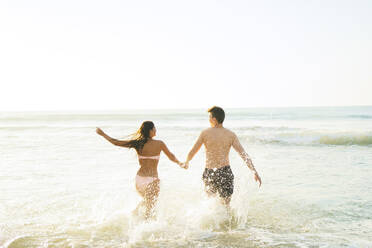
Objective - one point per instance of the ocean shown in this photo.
(62, 185)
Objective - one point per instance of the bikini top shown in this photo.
(149, 157)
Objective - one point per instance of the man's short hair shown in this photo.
(217, 113)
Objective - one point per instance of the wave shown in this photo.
(360, 116)
(312, 138)
(15, 242)
(362, 140)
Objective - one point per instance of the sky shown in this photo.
(117, 54)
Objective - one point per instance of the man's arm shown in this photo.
(240, 150)
(195, 149)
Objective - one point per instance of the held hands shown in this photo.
(183, 165)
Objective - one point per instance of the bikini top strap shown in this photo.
(149, 157)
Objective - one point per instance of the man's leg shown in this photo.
(226, 201)
(209, 182)
(225, 185)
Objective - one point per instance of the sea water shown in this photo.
(62, 185)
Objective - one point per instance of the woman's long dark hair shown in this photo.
(140, 138)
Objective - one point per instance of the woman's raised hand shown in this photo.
(99, 131)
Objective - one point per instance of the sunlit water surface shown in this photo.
(64, 186)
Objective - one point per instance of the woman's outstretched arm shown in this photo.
(113, 141)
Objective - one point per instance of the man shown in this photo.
(217, 176)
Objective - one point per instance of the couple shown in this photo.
(217, 176)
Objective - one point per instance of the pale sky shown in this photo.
(117, 54)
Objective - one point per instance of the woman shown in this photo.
(148, 151)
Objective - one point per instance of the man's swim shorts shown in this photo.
(219, 180)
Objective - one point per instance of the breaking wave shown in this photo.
(312, 138)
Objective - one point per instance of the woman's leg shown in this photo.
(151, 196)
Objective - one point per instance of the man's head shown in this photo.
(216, 115)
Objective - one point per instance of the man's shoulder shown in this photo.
(207, 130)
(212, 130)
(229, 132)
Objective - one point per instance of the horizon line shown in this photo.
(181, 109)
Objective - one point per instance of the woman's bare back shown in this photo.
(149, 166)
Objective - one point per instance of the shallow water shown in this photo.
(64, 186)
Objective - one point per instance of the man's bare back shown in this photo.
(218, 142)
